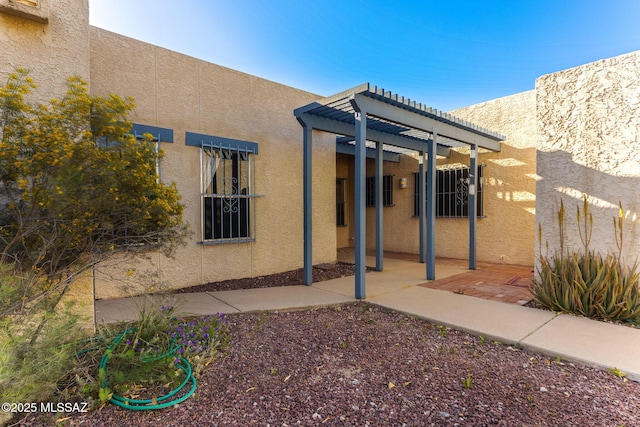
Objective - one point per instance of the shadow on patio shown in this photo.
(496, 282)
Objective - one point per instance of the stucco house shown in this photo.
(235, 148)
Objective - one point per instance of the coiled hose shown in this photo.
(159, 402)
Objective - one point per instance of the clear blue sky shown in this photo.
(446, 53)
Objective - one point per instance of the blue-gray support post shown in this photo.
(307, 203)
(379, 205)
(473, 214)
(360, 206)
(422, 207)
(431, 208)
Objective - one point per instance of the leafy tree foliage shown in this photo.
(76, 187)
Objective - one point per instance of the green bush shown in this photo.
(76, 188)
(585, 282)
(36, 357)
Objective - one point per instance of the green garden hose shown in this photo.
(157, 403)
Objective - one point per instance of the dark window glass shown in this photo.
(452, 193)
(226, 199)
(387, 191)
(341, 202)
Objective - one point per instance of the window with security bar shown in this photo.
(452, 193)
(387, 191)
(227, 195)
(341, 202)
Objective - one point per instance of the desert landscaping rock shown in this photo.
(360, 364)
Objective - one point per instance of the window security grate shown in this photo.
(228, 208)
(341, 202)
(387, 191)
(452, 193)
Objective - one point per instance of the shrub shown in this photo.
(77, 188)
(37, 351)
(585, 282)
(63, 362)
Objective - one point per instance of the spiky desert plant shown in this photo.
(584, 281)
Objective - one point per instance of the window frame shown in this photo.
(227, 198)
(456, 190)
(341, 202)
(34, 10)
(387, 191)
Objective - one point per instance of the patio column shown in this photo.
(431, 207)
(307, 185)
(360, 202)
(379, 206)
(422, 180)
(473, 214)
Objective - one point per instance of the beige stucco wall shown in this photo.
(399, 226)
(507, 233)
(589, 144)
(577, 133)
(580, 128)
(52, 51)
(186, 94)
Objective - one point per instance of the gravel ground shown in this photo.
(362, 365)
(288, 278)
(359, 365)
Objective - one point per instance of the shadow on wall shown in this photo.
(506, 233)
(510, 177)
(561, 177)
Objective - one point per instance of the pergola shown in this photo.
(368, 113)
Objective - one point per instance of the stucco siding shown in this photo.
(507, 232)
(186, 94)
(400, 227)
(589, 144)
(577, 133)
(344, 170)
(51, 51)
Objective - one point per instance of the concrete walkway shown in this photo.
(569, 337)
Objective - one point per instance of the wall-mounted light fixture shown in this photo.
(403, 182)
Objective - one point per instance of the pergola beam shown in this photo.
(343, 147)
(346, 129)
(377, 108)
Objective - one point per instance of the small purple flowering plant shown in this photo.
(199, 339)
(147, 355)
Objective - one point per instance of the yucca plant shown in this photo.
(584, 281)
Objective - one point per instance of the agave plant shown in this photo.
(584, 281)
